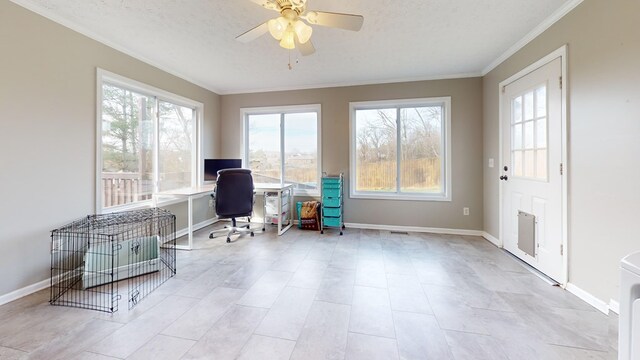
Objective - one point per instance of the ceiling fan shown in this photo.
(291, 28)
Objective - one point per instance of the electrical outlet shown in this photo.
(490, 162)
(465, 211)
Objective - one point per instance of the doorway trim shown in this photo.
(562, 54)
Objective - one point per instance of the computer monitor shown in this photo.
(211, 167)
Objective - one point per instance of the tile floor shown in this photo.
(365, 295)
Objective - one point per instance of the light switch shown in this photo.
(490, 162)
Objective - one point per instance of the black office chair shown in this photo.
(233, 199)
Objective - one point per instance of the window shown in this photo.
(400, 149)
(147, 142)
(529, 134)
(282, 145)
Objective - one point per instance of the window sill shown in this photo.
(400, 197)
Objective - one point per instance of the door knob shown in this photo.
(504, 177)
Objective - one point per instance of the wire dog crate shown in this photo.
(91, 257)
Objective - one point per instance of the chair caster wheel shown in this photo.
(210, 236)
(228, 240)
(252, 233)
(321, 231)
(340, 233)
(343, 227)
(262, 229)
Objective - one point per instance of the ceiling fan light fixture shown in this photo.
(288, 41)
(303, 31)
(277, 27)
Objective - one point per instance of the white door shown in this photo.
(531, 173)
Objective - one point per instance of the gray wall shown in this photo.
(466, 122)
(47, 133)
(604, 125)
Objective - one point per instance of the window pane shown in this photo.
(541, 133)
(528, 106)
(421, 147)
(301, 150)
(541, 101)
(528, 135)
(541, 164)
(529, 166)
(175, 146)
(127, 144)
(517, 163)
(376, 150)
(264, 147)
(517, 136)
(517, 109)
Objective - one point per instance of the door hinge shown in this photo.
(561, 249)
(560, 82)
(561, 169)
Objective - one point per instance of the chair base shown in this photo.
(233, 229)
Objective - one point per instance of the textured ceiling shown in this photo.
(400, 40)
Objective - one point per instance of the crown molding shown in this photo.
(354, 83)
(47, 13)
(542, 27)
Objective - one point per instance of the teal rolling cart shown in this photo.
(332, 203)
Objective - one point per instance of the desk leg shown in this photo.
(279, 212)
(190, 222)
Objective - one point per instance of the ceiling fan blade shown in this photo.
(254, 33)
(267, 4)
(306, 49)
(335, 20)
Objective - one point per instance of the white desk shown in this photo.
(265, 188)
(197, 192)
(190, 194)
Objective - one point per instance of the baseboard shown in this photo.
(600, 305)
(614, 306)
(198, 226)
(492, 239)
(414, 229)
(27, 290)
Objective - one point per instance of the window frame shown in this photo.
(197, 173)
(282, 111)
(446, 194)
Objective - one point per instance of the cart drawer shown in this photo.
(332, 221)
(331, 202)
(331, 193)
(332, 211)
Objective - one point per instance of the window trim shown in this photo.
(197, 175)
(285, 109)
(446, 195)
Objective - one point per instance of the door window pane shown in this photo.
(517, 163)
(264, 147)
(517, 137)
(528, 135)
(528, 106)
(517, 109)
(175, 146)
(420, 139)
(541, 133)
(301, 150)
(376, 150)
(529, 165)
(127, 145)
(541, 101)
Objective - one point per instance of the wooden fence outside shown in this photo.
(416, 175)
